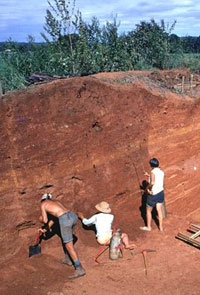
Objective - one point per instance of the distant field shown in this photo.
(185, 60)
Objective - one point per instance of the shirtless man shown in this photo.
(67, 221)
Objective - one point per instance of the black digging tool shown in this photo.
(36, 249)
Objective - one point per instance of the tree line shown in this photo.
(74, 47)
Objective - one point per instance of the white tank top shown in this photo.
(159, 181)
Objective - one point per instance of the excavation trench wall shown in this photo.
(86, 140)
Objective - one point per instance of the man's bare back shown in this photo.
(55, 208)
(67, 221)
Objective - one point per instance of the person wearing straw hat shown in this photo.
(103, 221)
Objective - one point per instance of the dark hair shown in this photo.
(154, 163)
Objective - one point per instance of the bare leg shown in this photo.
(79, 270)
(72, 251)
(126, 242)
(149, 217)
(160, 216)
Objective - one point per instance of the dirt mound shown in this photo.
(90, 139)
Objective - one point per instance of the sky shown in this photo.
(20, 18)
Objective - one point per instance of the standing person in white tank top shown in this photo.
(156, 197)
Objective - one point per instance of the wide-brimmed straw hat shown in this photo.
(103, 207)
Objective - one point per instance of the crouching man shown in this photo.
(103, 221)
(67, 221)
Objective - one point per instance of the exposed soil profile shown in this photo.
(90, 139)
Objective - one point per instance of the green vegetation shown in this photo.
(73, 47)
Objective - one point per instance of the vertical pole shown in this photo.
(164, 211)
(1, 91)
(182, 88)
(191, 82)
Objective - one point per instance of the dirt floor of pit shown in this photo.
(172, 269)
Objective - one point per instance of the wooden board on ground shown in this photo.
(192, 238)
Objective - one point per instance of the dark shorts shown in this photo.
(152, 200)
(67, 223)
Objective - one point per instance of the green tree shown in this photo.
(176, 45)
(83, 52)
(189, 44)
(110, 44)
(151, 42)
(92, 34)
(61, 25)
(197, 45)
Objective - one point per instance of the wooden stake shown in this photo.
(164, 211)
(1, 91)
(182, 87)
(191, 82)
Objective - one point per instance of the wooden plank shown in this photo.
(197, 234)
(192, 229)
(195, 226)
(188, 239)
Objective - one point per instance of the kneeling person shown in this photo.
(103, 221)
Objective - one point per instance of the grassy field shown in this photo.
(186, 60)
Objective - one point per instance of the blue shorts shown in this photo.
(152, 200)
(67, 223)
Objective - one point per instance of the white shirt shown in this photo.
(103, 223)
(159, 181)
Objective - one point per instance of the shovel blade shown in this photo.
(34, 250)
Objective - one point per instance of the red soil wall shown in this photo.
(86, 140)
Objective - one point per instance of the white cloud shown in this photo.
(132, 12)
(28, 17)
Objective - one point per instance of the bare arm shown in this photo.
(80, 215)
(44, 214)
(152, 178)
(43, 219)
(50, 224)
(152, 181)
